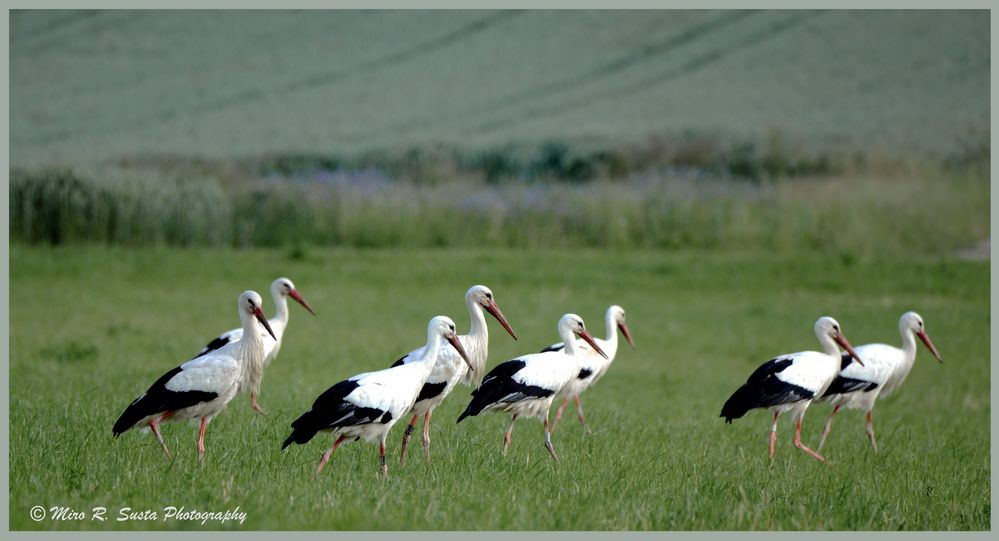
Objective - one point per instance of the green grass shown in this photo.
(91, 328)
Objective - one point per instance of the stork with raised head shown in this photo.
(526, 385)
(791, 382)
(281, 289)
(368, 405)
(201, 387)
(450, 367)
(592, 366)
(883, 372)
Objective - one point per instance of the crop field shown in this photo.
(92, 86)
(92, 327)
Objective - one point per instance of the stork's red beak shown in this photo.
(263, 321)
(493, 309)
(841, 340)
(295, 295)
(461, 350)
(589, 340)
(929, 344)
(627, 335)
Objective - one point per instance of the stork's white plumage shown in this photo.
(592, 366)
(885, 369)
(203, 386)
(450, 367)
(526, 385)
(368, 405)
(281, 289)
(791, 382)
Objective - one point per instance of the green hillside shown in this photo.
(92, 86)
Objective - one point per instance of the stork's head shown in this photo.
(250, 307)
(827, 328)
(443, 327)
(483, 296)
(571, 325)
(285, 288)
(911, 322)
(616, 314)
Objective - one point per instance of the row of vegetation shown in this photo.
(425, 200)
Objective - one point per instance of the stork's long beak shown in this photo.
(461, 350)
(627, 335)
(841, 340)
(263, 321)
(493, 309)
(929, 344)
(589, 340)
(295, 295)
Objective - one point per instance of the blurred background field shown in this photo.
(782, 130)
(727, 176)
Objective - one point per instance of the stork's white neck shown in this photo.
(250, 348)
(281, 305)
(568, 340)
(610, 346)
(431, 350)
(478, 332)
(908, 347)
(829, 345)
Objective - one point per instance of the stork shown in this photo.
(281, 289)
(790, 382)
(883, 372)
(594, 366)
(201, 387)
(450, 368)
(368, 405)
(526, 385)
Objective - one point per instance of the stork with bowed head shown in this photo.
(201, 387)
(791, 382)
(450, 367)
(526, 385)
(883, 372)
(592, 366)
(368, 405)
(281, 289)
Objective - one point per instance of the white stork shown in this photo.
(526, 385)
(201, 387)
(450, 368)
(367, 405)
(592, 367)
(885, 369)
(790, 382)
(281, 289)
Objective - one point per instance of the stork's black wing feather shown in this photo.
(764, 389)
(499, 386)
(332, 410)
(159, 399)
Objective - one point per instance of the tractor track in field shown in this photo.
(685, 69)
(599, 73)
(244, 97)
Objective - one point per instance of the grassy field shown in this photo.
(92, 327)
(92, 86)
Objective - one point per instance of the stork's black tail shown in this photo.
(304, 429)
(159, 399)
(741, 401)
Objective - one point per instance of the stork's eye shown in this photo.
(451, 327)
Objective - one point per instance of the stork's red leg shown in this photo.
(558, 414)
(773, 435)
(201, 439)
(381, 456)
(327, 455)
(506, 440)
(799, 445)
(405, 439)
(825, 431)
(153, 424)
(254, 405)
(582, 418)
(426, 435)
(870, 430)
(548, 440)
